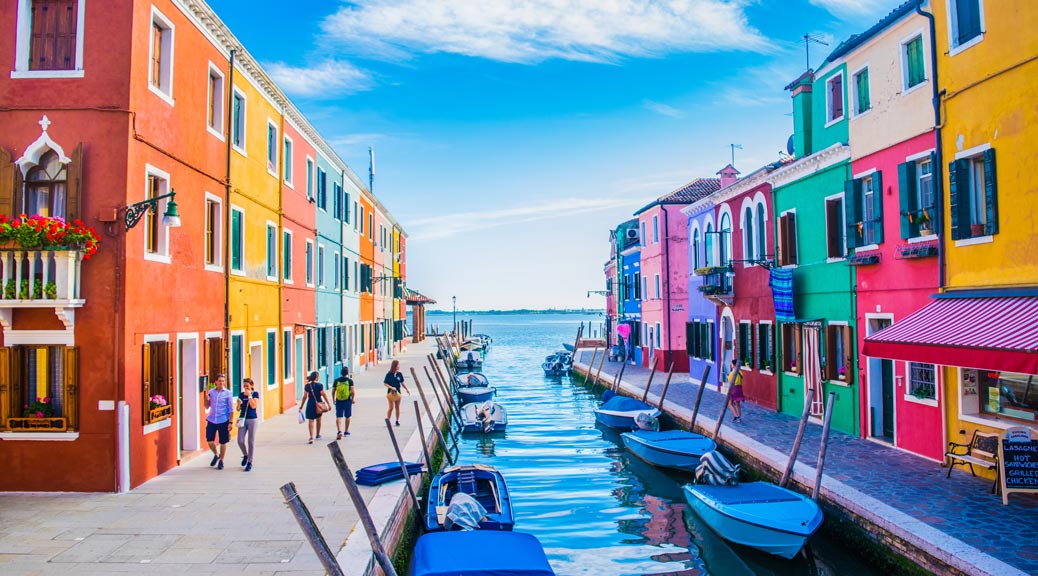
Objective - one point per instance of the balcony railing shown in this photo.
(717, 283)
(40, 278)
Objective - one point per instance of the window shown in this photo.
(272, 148)
(322, 189)
(765, 348)
(762, 250)
(237, 240)
(1002, 395)
(655, 229)
(745, 343)
(791, 347)
(345, 272)
(272, 358)
(637, 285)
(286, 255)
(834, 223)
(309, 178)
(157, 390)
(156, 236)
(696, 243)
(834, 98)
(322, 351)
(786, 243)
(656, 280)
(974, 195)
(967, 22)
(337, 200)
(356, 276)
(916, 189)
(699, 338)
(272, 251)
(320, 265)
(747, 234)
(52, 40)
(335, 277)
(371, 225)
(309, 349)
(838, 351)
(864, 206)
(213, 358)
(645, 287)
(213, 231)
(238, 121)
(725, 230)
(913, 62)
(47, 373)
(658, 336)
(346, 208)
(643, 237)
(361, 220)
(237, 362)
(160, 69)
(309, 262)
(286, 355)
(214, 112)
(922, 380)
(708, 245)
(862, 102)
(46, 188)
(288, 161)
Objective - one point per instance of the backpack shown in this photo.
(342, 389)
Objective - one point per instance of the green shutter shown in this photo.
(959, 195)
(877, 207)
(916, 66)
(852, 210)
(907, 191)
(863, 91)
(990, 192)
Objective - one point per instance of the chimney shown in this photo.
(800, 90)
(728, 175)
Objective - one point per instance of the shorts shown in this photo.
(343, 408)
(212, 429)
(737, 395)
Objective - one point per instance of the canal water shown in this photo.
(596, 509)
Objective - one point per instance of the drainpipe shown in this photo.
(666, 259)
(342, 262)
(938, 151)
(279, 339)
(124, 446)
(227, 225)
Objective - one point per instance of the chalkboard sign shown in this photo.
(1019, 466)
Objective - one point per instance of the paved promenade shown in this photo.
(200, 520)
(958, 519)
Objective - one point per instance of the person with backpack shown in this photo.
(344, 398)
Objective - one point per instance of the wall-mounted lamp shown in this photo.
(136, 211)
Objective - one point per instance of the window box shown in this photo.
(707, 270)
(160, 413)
(863, 260)
(45, 424)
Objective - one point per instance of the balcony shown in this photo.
(717, 284)
(40, 279)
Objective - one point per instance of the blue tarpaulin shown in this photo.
(624, 404)
(781, 283)
(479, 553)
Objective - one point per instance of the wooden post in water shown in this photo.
(599, 373)
(824, 447)
(591, 366)
(619, 376)
(800, 436)
(432, 418)
(310, 529)
(724, 410)
(447, 409)
(448, 398)
(666, 385)
(577, 341)
(649, 383)
(403, 468)
(421, 434)
(699, 398)
(362, 509)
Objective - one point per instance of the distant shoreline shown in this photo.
(518, 311)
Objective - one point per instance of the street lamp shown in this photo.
(454, 302)
(136, 211)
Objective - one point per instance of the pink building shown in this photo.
(664, 274)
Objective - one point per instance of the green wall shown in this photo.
(823, 137)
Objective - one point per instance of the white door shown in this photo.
(256, 373)
(187, 392)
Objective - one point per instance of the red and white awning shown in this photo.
(990, 333)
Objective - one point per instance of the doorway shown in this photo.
(881, 389)
(256, 373)
(299, 368)
(727, 344)
(188, 417)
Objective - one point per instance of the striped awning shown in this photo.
(990, 333)
(414, 297)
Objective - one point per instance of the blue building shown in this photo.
(629, 278)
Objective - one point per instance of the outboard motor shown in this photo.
(643, 421)
(470, 362)
(464, 513)
(607, 396)
(484, 415)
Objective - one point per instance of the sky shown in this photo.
(511, 136)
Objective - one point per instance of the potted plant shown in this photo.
(925, 223)
(47, 233)
(842, 373)
(40, 408)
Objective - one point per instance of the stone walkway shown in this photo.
(206, 521)
(959, 514)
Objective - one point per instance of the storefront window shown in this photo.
(1002, 394)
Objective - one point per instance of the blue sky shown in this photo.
(511, 136)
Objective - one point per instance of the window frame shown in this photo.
(749, 232)
(962, 233)
(954, 47)
(239, 122)
(656, 285)
(911, 384)
(272, 252)
(769, 360)
(273, 147)
(161, 253)
(23, 45)
(855, 90)
(216, 103)
(286, 255)
(217, 234)
(829, 100)
(747, 349)
(12, 396)
(311, 178)
(288, 158)
(906, 64)
(270, 358)
(321, 188)
(787, 241)
(164, 87)
(792, 345)
(287, 352)
(310, 262)
(337, 276)
(320, 265)
(655, 229)
(237, 271)
(168, 388)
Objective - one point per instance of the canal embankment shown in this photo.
(897, 501)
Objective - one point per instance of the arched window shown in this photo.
(748, 234)
(695, 249)
(45, 188)
(708, 244)
(762, 251)
(726, 239)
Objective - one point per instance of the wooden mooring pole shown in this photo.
(432, 418)
(403, 468)
(310, 529)
(591, 366)
(699, 399)
(447, 408)
(421, 435)
(577, 341)
(599, 373)
(362, 509)
(724, 410)
(648, 384)
(619, 376)
(824, 446)
(800, 436)
(666, 385)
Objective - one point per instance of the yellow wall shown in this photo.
(255, 300)
(990, 99)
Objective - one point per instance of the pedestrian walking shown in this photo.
(220, 403)
(394, 380)
(248, 422)
(315, 404)
(342, 391)
(737, 397)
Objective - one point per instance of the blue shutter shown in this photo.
(959, 196)
(907, 191)
(967, 19)
(852, 208)
(877, 207)
(990, 192)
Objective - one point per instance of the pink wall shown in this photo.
(673, 271)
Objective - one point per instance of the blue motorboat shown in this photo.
(557, 364)
(479, 553)
(619, 412)
(484, 417)
(668, 449)
(483, 483)
(471, 379)
(469, 360)
(760, 515)
(473, 387)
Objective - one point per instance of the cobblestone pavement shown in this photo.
(203, 521)
(962, 506)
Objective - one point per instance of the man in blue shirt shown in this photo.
(220, 403)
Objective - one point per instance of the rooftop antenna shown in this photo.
(808, 39)
(371, 170)
(733, 147)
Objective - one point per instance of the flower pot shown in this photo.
(976, 230)
(925, 231)
(9, 245)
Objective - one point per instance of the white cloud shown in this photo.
(348, 140)
(329, 79)
(856, 9)
(663, 109)
(529, 31)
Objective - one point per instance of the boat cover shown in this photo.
(751, 493)
(381, 473)
(464, 512)
(624, 404)
(669, 436)
(479, 553)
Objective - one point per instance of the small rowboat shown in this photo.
(473, 379)
(668, 449)
(483, 483)
(469, 360)
(483, 417)
(619, 412)
(472, 394)
(479, 552)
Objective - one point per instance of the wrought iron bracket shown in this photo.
(136, 211)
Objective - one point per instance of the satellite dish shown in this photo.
(789, 145)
